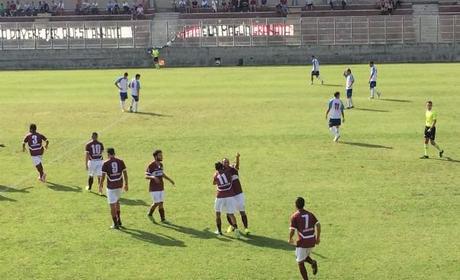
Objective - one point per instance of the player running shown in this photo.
(34, 141)
(373, 81)
(155, 174)
(135, 86)
(122, 84)
(224, 198)
(350, 80)
(336, 115)
(315, 69)
(114, 170)
(304, 222)
(238, 192)
(93, 160)
(430, 129)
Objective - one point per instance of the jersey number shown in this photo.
(34, 139)
(96, 149)
(306, 218)
(336, 106)
(114, 167)
(222, 179)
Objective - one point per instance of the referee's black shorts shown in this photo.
(431, 134)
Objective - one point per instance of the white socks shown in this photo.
(122, 105)
(372, 92)
(335, 131)
(350, 102)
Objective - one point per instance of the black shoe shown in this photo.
(441, 153)
(314, 267)
(424, 157)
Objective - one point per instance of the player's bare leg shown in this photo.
(161, 210)
(230, 227)
(218, 224)
(233, 220)
(244, 219)
(313, 263)
(113, 213)
(152, 209)
(90, 183)
(312, 79)
(41, 172)
(118, 214)
(433, 143)
(303, 270)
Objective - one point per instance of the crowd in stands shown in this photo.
(17, 8)
(190, 6)
(56, 7)
(388, 6)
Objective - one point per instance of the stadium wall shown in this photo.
(229, 56)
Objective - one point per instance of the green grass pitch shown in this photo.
(385, 213)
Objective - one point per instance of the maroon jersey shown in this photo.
(155, 168)
(236, 184)
(94, 149)
(223, 182)
(35, 143)
(113, 169)
(304, 222)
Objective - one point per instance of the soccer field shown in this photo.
(385, 213)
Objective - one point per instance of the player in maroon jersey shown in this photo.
(238, 191)
(114, 169)
(93, 160)
(224, 198)
(304, 222)
(155, 174)
(34, 141)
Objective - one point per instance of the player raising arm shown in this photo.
(155, 174)
(224, 198)
(305, 223)
(34, 141)
(238, 192)
(114, 170)
(336, 115)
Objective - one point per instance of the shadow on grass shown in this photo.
(194, 233)
(371, 110)
(2, 146)
(267, 242)
(13, 190)
(3, 198)
(396, 100)
(153, 114)
(446, 159)
(62, 188)
(158, 239)
(366, 145)
(330, 85)
(133, 202)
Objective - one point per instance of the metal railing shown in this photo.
(314, 31)
(232, 32)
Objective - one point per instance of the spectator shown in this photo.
(331, 3)
(253, 5)
(294, 3)
(214, 6)
(110, 7)
(194, 4)
(244, 5)
(12, 8)
(2, 10)
(344, 4)
(126, 8)
(235, 6)
(224, 6)
(116, 8)
(309, 5)
(284, 7)
(60, 8)
(94, 8)
(204, 4)
(182, 6)
(263, 3)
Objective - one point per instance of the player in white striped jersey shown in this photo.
(122, 84)
(336, 115)
(135, 86)
(373, 81)
(350, 80)
(315, 69)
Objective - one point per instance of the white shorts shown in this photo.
(158, 196)
(95, 167)
(302, 253)
(113, 195)
(226, 204)
(239, 202)
(36, 160)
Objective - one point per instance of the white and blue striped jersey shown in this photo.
(315, 64)
(135, 86)
(373, 77)
(122, 82)
(335, 108)
(350, 81)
